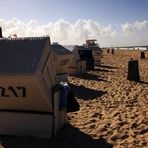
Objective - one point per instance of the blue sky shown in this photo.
(103, 12)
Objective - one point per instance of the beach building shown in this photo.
(30, 102)
(141, 48)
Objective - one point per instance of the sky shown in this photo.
(111, 22)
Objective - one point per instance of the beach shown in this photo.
(113, 110)
(113, 107)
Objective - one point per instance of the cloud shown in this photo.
(61, 31)
(135, 33)
(65, 32)
(136, 26)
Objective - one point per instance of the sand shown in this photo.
(111, 106)
(113, 110)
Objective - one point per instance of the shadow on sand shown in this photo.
(102, 70)
(109, 67)
(105, 68)
(86, 93)
(89, 76)
(68, 137)
(142, 82)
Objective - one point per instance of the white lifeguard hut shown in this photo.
(29, 92)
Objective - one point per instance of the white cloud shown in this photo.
(61, 31)
(129, 28)
(67, 33)
(140, 25)
(135, 33)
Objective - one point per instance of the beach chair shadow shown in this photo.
(140, 82)
(68, 137)
(102, 70)
(143, 82)
(89, 76)
(85, 93)
(78, 139)
(105, 68)
(109, 67)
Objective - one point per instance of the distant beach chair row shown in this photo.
(85, 57)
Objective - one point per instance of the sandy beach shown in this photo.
(113, 110)
(111, 106)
